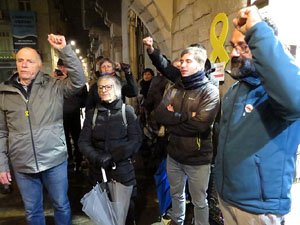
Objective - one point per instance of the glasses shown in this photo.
(106, 87)
(239, 48)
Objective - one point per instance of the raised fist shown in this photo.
(125, 67)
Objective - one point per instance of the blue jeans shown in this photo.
(55, 181)
(198, 178)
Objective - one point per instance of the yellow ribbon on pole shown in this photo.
(218, 43)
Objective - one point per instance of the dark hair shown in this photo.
(105, 59)
(148, 70)
(60, 62)
(99, 58)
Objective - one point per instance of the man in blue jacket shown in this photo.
(259, 127)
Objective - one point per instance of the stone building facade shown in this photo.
(175, 24)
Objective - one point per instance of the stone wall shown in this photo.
(191, 23)
(157, 17)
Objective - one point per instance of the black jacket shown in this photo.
(190, 137)
(73, 103)
(129, 89)
(111, 135)
(155, 92)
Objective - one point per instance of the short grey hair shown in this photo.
(116, 83)
(200, 54)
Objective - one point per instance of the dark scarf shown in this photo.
(193, 81)
(145, 87)
(111, 105)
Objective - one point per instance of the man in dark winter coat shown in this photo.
(259, 127)
(188, 110)
(108, 67)
(71, 117)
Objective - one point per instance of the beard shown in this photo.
(241, 68)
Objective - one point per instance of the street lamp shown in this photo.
(77, 51)
(72, 43)
(80, 57)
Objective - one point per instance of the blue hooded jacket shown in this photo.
(260, 130)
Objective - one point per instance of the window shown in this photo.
(24, 5)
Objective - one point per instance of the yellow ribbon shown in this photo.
(218, 44)
(26, 113)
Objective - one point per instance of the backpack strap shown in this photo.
(94, 118)
(124, 114)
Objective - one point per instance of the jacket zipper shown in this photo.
(27, 114)
(260, 180)
(198, 140)
(227, 131)
(106, 136)
(183, 101)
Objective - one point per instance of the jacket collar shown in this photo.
(254, 81)
(179, 83)
(39, 79)
(116, 106)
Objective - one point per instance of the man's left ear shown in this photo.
(41, 67)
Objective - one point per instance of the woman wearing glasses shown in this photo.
(108, 139)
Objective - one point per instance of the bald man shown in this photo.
(31, 130)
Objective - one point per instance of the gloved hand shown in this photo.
(103, 159)
(125, 67)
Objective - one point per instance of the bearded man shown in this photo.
(259, 127)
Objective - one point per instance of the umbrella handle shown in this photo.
(103, 175)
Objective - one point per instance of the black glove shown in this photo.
(98, 74)
(103, 159)
(125, 67)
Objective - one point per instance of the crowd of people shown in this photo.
(254, 155)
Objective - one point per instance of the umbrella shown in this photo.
(107, 203)
(162, 187)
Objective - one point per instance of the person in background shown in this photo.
(108, 142)
(32, 134)
(144, 86)
(259, 127)
(94, 76)
(188, 110)
(148, 74)
(71, 116)
(108, 67)
(157, 88)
